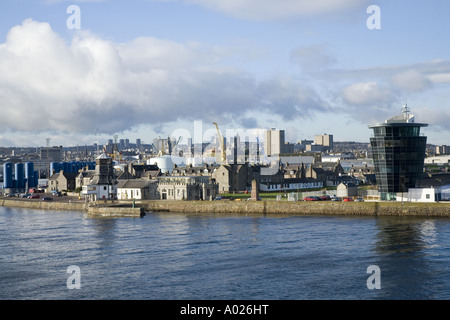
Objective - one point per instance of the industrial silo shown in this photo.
(36, 178)
(64, 166)
(29, 174)
(54, 168)
(7, 175)
(19, 175)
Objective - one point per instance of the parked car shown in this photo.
(34, 196)
(311, 198)
(348, 199)
(359, 199)
(334, 198)
(325, 198)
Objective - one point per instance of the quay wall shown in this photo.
(106, 209)
(43, 205)
(301, 207)
(115, 211)
(125, 208)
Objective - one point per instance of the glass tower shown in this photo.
(398, 154)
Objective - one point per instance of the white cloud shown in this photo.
(366, 94)
(439, 78)
(90, 83)
(411, 80)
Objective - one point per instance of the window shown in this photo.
(427, 196)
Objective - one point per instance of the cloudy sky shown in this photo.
(145, 68)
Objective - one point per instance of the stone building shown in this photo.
(347, 190)
(84, 177)
(62, 181)
(229, 177)
(137, 189)
(187, 188)
(236, 177)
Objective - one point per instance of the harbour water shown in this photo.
(164, 256)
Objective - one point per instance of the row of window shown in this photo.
(407, 131)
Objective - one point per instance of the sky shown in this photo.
(78, 72)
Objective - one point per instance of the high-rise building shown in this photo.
(52, 154)
(325, 140)
(274, 142)
(138, 144)
(398, 154)
(442, 149)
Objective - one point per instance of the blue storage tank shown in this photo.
(72, 166)
(29, 174)
(54, 167)
(7, 175)
(19, 175)
(64, 166)
(36, 179)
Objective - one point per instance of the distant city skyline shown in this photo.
(90, 69)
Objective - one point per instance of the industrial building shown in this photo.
(19, 179)
(52, 154)
(398, 154)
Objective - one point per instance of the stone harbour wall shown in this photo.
(43, 205)
(301, 207)
(125, 208)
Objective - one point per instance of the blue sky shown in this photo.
(145, 68)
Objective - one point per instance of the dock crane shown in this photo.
(176, 144)
(222, 147)
(178, 141)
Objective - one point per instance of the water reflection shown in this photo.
(402, 244)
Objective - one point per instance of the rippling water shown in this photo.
(213, 256)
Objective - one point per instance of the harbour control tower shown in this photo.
(398, 150)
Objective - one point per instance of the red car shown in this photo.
(348, 199)
(33, 196)
(311, 199)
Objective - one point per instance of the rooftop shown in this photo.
(404, 119)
